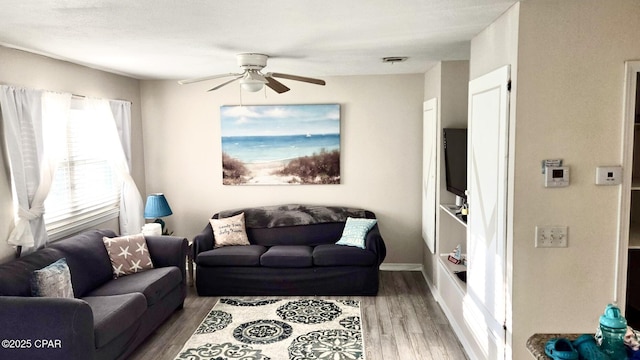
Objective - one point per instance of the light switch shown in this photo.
(551, 236)
(608, 175)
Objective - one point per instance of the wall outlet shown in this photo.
(551, 236)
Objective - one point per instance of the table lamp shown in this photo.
(157, 207)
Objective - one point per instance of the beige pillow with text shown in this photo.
(229, 231)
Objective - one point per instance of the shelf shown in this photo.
(452, 269)
(451, 210)
(635, 184)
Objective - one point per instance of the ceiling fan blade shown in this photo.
(211, 77)
(298, 78)
(225, 83)
(276, 85)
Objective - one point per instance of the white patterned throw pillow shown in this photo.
(128, 254)
(53, 280)
(355, 230)
(229, 231)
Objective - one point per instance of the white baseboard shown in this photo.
(400, 267)
(432, 287)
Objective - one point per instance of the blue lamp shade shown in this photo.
(157, 207)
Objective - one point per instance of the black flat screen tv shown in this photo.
(455, 160)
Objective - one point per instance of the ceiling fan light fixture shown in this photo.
(251, 79)
(251, 85)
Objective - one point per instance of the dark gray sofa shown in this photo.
(108, 318)
(292, 252)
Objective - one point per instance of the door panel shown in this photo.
(429, 162)
(486, 225)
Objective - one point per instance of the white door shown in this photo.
(429, 185)
(485, 302)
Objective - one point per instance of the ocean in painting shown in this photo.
(261, 149)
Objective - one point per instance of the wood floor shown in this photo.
(403, 322)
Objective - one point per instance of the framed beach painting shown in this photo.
(280, 144)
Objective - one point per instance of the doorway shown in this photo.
(628, 282)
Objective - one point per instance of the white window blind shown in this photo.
(85, 190)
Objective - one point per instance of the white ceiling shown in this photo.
(176, 39)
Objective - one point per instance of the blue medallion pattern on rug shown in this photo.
(278, 329)
(239, 302)
(327, 344)
(352, 303)
(215, 320)
(311, 311)
(262, 332)
(224, 351)
(351, 322)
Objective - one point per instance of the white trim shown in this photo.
(628, 131)
(429, 193)
(432, 287)
(400, 267)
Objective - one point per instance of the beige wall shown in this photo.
(567, 61)
(33, 71)
(448, 81)
(381, 159)
(571, 76)
(433, 82)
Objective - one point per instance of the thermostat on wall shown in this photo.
(556, 176)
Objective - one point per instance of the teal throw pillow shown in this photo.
(52, 281)
(355, 230)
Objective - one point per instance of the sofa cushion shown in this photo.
(248, 255)
(336, 255)
(310, 235)
(16, 274)
(53, 280)
(128, 254)
(288, 256)
(112, 315)
(229, 231)
(154, 284)
(87, 259)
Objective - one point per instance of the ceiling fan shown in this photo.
(251, 79)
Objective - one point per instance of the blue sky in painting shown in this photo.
(275, 120)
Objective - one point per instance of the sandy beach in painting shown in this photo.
(264, 173)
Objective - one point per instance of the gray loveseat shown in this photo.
(107, 319)
(292, 251)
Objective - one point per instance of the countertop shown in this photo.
(536, 343)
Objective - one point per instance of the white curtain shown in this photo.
(32, 121)
(107, 138)
(122, 115)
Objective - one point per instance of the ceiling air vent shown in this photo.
(394, 59)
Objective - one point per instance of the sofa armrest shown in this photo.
(375, 243)
(169, 251)
(45, 328)
(203, 241)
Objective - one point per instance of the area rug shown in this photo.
(278, 329)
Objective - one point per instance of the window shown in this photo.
(86, 189)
